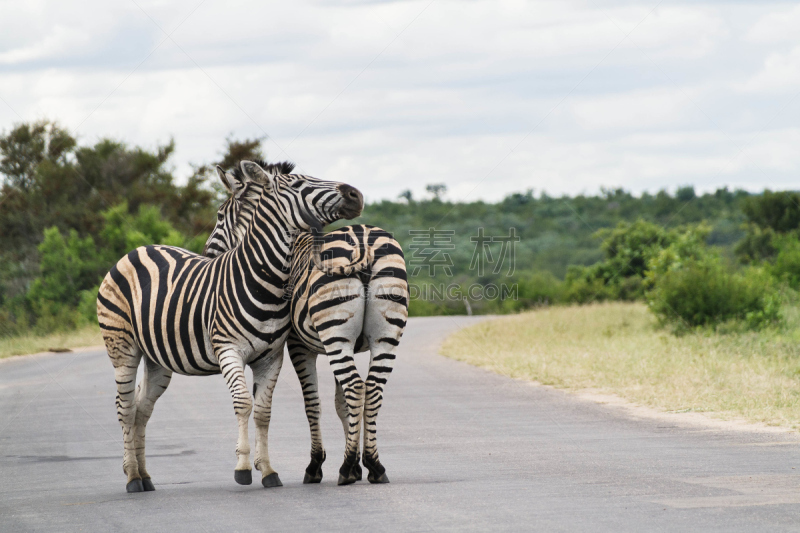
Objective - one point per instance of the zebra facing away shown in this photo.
(197, 316)
(348, 293)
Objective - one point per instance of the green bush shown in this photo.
(758, 244)
(688, 246)
(67, 266)
(706, 293)
(628, 249)
(64, 294)
(582, 286)
(123, 232)
(786, 266)
(87, 307)
(14, 318)
(534, 290)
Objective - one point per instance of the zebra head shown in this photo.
(307, 203)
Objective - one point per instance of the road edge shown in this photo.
(79, 349)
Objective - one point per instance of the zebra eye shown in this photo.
(220, 216)
(296, 184)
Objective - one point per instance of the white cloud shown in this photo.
(636, 110)
(781, 73)
(350, 97)
(780, 25)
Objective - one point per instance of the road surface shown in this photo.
(464, 449)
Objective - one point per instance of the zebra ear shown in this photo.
(224, 179)
(235, 182)
(254, 172)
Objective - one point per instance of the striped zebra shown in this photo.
(348, 293)
(197, 316)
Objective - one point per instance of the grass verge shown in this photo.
(25, 344)
(617, 348)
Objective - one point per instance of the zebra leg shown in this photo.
(337, 313)
(352, 400)
(265, 376)
(384, 321)
(381, 363)
(341, 410)
(305, 365)
(349, 407)
(232, 367)
(155, 382)
(126, 357)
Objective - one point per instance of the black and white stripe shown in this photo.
(352, 298)
(194, 315)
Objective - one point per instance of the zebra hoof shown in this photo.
(243, 477)
(134, 486)
(380, 479)
(314, 468)
(377, 473)
(147, 483)
(309, 478)
(346, 480)
(349, 471)
(272, 480)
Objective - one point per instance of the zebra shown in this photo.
(357, 299)
(199, 316)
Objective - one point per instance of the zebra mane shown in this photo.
(281, 167)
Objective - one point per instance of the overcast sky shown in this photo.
(487, 96)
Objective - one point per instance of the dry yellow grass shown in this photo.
(617, 348)
(26, 344)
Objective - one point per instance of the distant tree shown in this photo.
(758, 244)
(437, 190)
(47, 179)
(235, 150)
(685, 194)
(519, 199)
(406, 195)
(26, 146)
(777, 210)
(769, 216)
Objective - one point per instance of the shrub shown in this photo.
(64, 294)
(705, 293)
(123, 232)
(87, 307)
(687, 246)
(628, 249)
(786, 266)
(67, 266)
(583, 286)
(533, 290)
(14, 319)
(758, 244)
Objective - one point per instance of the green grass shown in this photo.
(618, 348)
(26, 344)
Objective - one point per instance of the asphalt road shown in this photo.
(464, 449)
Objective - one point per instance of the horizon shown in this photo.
(538, 194)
